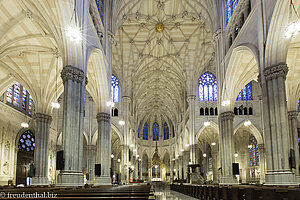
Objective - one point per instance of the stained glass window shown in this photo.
(145, 132)
(166, 131)
(18, 97)
(253, 151)
(114, 89)
(100, 5)
(27, 141)
(173, 131)
(208, 87)
(246, 93)
(155, 131)
(230, 7)
(138, 132)
(299, 104)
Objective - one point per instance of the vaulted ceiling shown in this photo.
(157, 43)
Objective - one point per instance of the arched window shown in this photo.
(230, 7)
(145, 132)
(138, 132)
(27, 141)
(173, 131)
(166, 131)
(299, 104)
(114, 89)
(253, 151)
(208, 87)
(246, 93)
(155, 131)
(18, 97)
(100, 5)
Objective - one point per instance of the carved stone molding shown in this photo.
(72, 73)
(191, 97)
(103, 117)
(216, 36)
(40, 117)
(293, 114)
(227, 116)
(276, 71)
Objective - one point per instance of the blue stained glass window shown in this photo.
(299, 104)
(246, 93)
(138, 132)
(155, 131)
(166, 131)
(173, 131)
(18, 97)
(230, 7)
(100, 5)
(208, 87)
(27, 141)
(114, 89)
(253, 151)
(145, 132)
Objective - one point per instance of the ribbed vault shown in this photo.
(157, 43)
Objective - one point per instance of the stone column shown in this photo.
(103, 149)
(294, 140)
(172, 164)
(43, 122)
(185, 161)
(193, 145)
(226, 147)
(180, 166)
(276, 127)
(214, 155)
(73, 109)
(91, 163)
(262, 163)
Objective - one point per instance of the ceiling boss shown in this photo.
(159, 27)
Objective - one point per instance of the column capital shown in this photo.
(72, 73)
(41, 117)
(192, 97)
(126, 98)
(103, 117)
(276, 71)
(91, 147)
(216, 36)
(293, 114)
(227, 115)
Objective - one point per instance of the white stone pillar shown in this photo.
(193, 145)
(185, 161)
(103, 149)
(43, 122)
(262, 163)
(294, 140)
(74, 82)
(226, 147)
(277, 140)
(91, 163)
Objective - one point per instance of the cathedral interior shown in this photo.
(177, 94)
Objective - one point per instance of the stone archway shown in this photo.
(156, 167)
(25, 158)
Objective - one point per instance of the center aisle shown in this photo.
(164, 193)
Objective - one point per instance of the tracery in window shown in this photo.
(246, 93)
(27, 141)
(18, 97)
(253, 151)
(166, 131)
(145, 132)
(100, 5)
(155, 131)
(230, 7)
(114, 89)
(207, 89)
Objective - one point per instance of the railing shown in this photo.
(246, 192)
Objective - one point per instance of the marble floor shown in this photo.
(164, 193)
